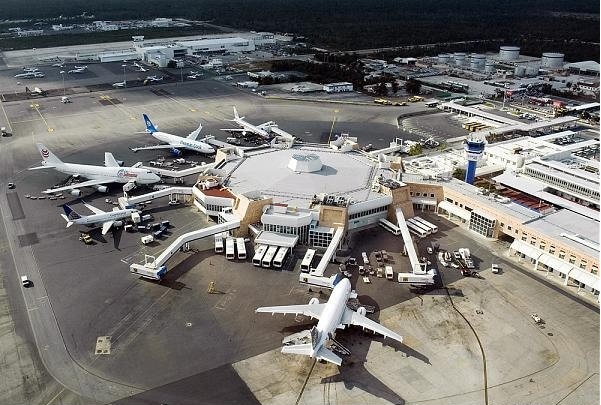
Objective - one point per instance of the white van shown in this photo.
(495, 268)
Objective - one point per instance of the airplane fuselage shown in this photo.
(116, 174)
(332, 313)
(251, 128)
(197, 146)
(104, 217)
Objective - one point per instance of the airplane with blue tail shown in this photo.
(107, 219)
(176, 143)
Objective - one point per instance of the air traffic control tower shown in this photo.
(474, 148)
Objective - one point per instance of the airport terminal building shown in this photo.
(309, 192)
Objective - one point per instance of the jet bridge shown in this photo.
(154, 267)
(126, 201)
(402, 224)
(315, 276)
(178, 174)
(419, 276)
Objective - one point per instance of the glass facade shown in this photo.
(302, 232)
(320, 239)
(482, 225)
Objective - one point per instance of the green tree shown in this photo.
(415, 149)
(459, 173)
(413, 86)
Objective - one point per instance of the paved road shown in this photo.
(46, 331)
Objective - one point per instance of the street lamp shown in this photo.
(62, 72)
(181, 72)
(124, 79)
(332, 127)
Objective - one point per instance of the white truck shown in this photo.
(466, 257)
(147, 239)
(389, 272)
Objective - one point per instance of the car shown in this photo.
(25, 281)
(11, 186)
(495, 268)
(466, 272)
(352, 261)
(429, 250)
(173, 202)
(454, 265)
(361, 270)
(537, 319)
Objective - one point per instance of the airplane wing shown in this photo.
(234, 129)
(87, 183)
(351, 317)
(106, 226)
(157, 147)
(312, 310)
(93, 209)
(109, 160)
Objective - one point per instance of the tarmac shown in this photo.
(171, 341)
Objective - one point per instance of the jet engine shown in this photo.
(75, 192)
(362, 311)
(313, 301)
(102, 189)
(176, 152)
(117, 224)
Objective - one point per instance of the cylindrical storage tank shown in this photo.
(532, 70)
(552, 60)
(477, 61)
(509, 52)
(459, 58)
(443, 58)
(489, 67)
(520, 71)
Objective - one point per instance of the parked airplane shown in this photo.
(59, 64)
(140, 67)
(154, 78)
(175, 142)
(107, 219)
(332, 315)
(248, 127)
(30, 69)
(26, 75)
(76, 71)
(98, 176)
(81, 67)
(120, 84)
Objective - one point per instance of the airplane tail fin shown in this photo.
(194, 134)
(150, 128)
(47, 156)
(70, 214)
(236, 116)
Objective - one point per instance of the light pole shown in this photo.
(332, 127)
(62, 72)
(181, 72)
(124, 79)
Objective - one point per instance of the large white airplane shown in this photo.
(98, 176)
(332, 315)
(26, 75)
(245, 126)
(174, 142)
(155, 78)
(107, 219)
(78, 69)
